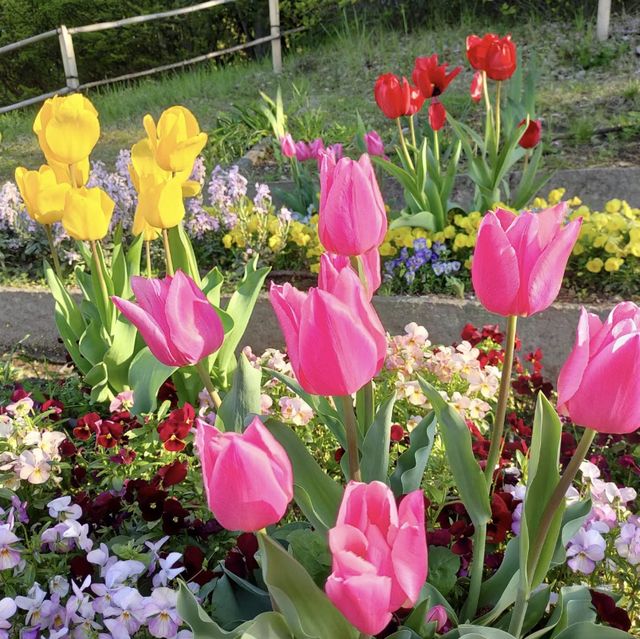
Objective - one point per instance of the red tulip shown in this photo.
(477, 86)
(437, 115)
(531, 136)
(393, 95)
(497, 56)
(417, 100)
(432, 78)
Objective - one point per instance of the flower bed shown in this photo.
(102, 513)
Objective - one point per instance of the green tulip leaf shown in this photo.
(469, 478)
(146, 376)
(412, 463)
(307, 610)
(243, 399)
(182, 254)
(375, 447)
(590, 630)
(443, 569)
(480, 632)
(317, 495)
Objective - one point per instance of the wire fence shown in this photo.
(69, 62)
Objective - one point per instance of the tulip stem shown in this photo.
(403, 144)
(436, 150)
(208, 384)
(412, 128)
(351, 427)
(100, 274)
(476, 571)
(526, 161)
(54, 253)
(148, 251)
(167, 252)
(498, 99)
(503, 399)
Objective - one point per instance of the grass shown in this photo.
(584, 86)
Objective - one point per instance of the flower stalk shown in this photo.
(167, 252)
(54, 253)
(208, 384)
(351, 427)
(403, 146)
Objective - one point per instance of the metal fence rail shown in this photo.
(65, 39)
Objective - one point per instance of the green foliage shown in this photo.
(443, 568)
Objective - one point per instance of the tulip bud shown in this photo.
(437, 115)
(374, 143)
(477, 86)
(438, 614)
(531, 137)
(352, 218)
(87, 213)
(43, 197)
(247, 476)
(519, 260)
(393, 95)
(175, 319)
(379, 555)
(287, 146)
(334, 337)
(599, 384)
(67, 128)
(176, 140)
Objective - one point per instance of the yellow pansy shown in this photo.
(43, 196)
(613, 264)
(613, 206)
(67, 128)
(87, 213)
(176, 139)
(578, 249)
(595, 265)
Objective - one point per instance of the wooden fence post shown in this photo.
(68, 58)
(604, 15)
(276, 43)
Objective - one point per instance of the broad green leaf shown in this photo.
(268, 625)
(317, 495)
(375, 447)
(590, 630)
(133, 256)
(423, 220)
(543, 477)
(574, 517)
(574, 605)
(469, 478)
(443, 569)
(506, 598)
(493, 588)
(98, 380)
(412, 463)
(182, 253)
(64, 302)
(146, 376)
(212, 285)
(118, 357)
(404, 633)
(306, 608)
(479, 632)
(240, 307)
(93, 343)
(311, 549)
(243, 399)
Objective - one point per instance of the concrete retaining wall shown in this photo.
(27, 314)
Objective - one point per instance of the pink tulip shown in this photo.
(303, 152)
(331, 263)
(334, 337)
(352, 219)
(316, 147)
(374, 143)
(288, 146)
(519, 260)
(175, 319)
(379, 555)
(247, 477)
(438, 614)
(599, 384)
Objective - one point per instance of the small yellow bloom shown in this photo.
(176, 140)
(595, 265)
(227, 240)
(611, 247)
(387, 249)
(43, 197)
(613, 206)
(87, 213)
(613, 264)
(600, 241)
(449, 231)
(555, 196)
(67, 128)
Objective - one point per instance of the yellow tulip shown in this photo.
(176, 140)
(160, 201)
(141, 226)
(67, 128)
(43, 196)
(87, 213)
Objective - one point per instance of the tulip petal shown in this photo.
(345, 538)
(363, 600)
(195, 329)
(606, 401)
(287, 303)
(550, 222)
(151, 333)
(545, 279)
(494, 269)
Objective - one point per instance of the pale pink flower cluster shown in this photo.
(31, 453)
(474, 386)
(295, 410)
